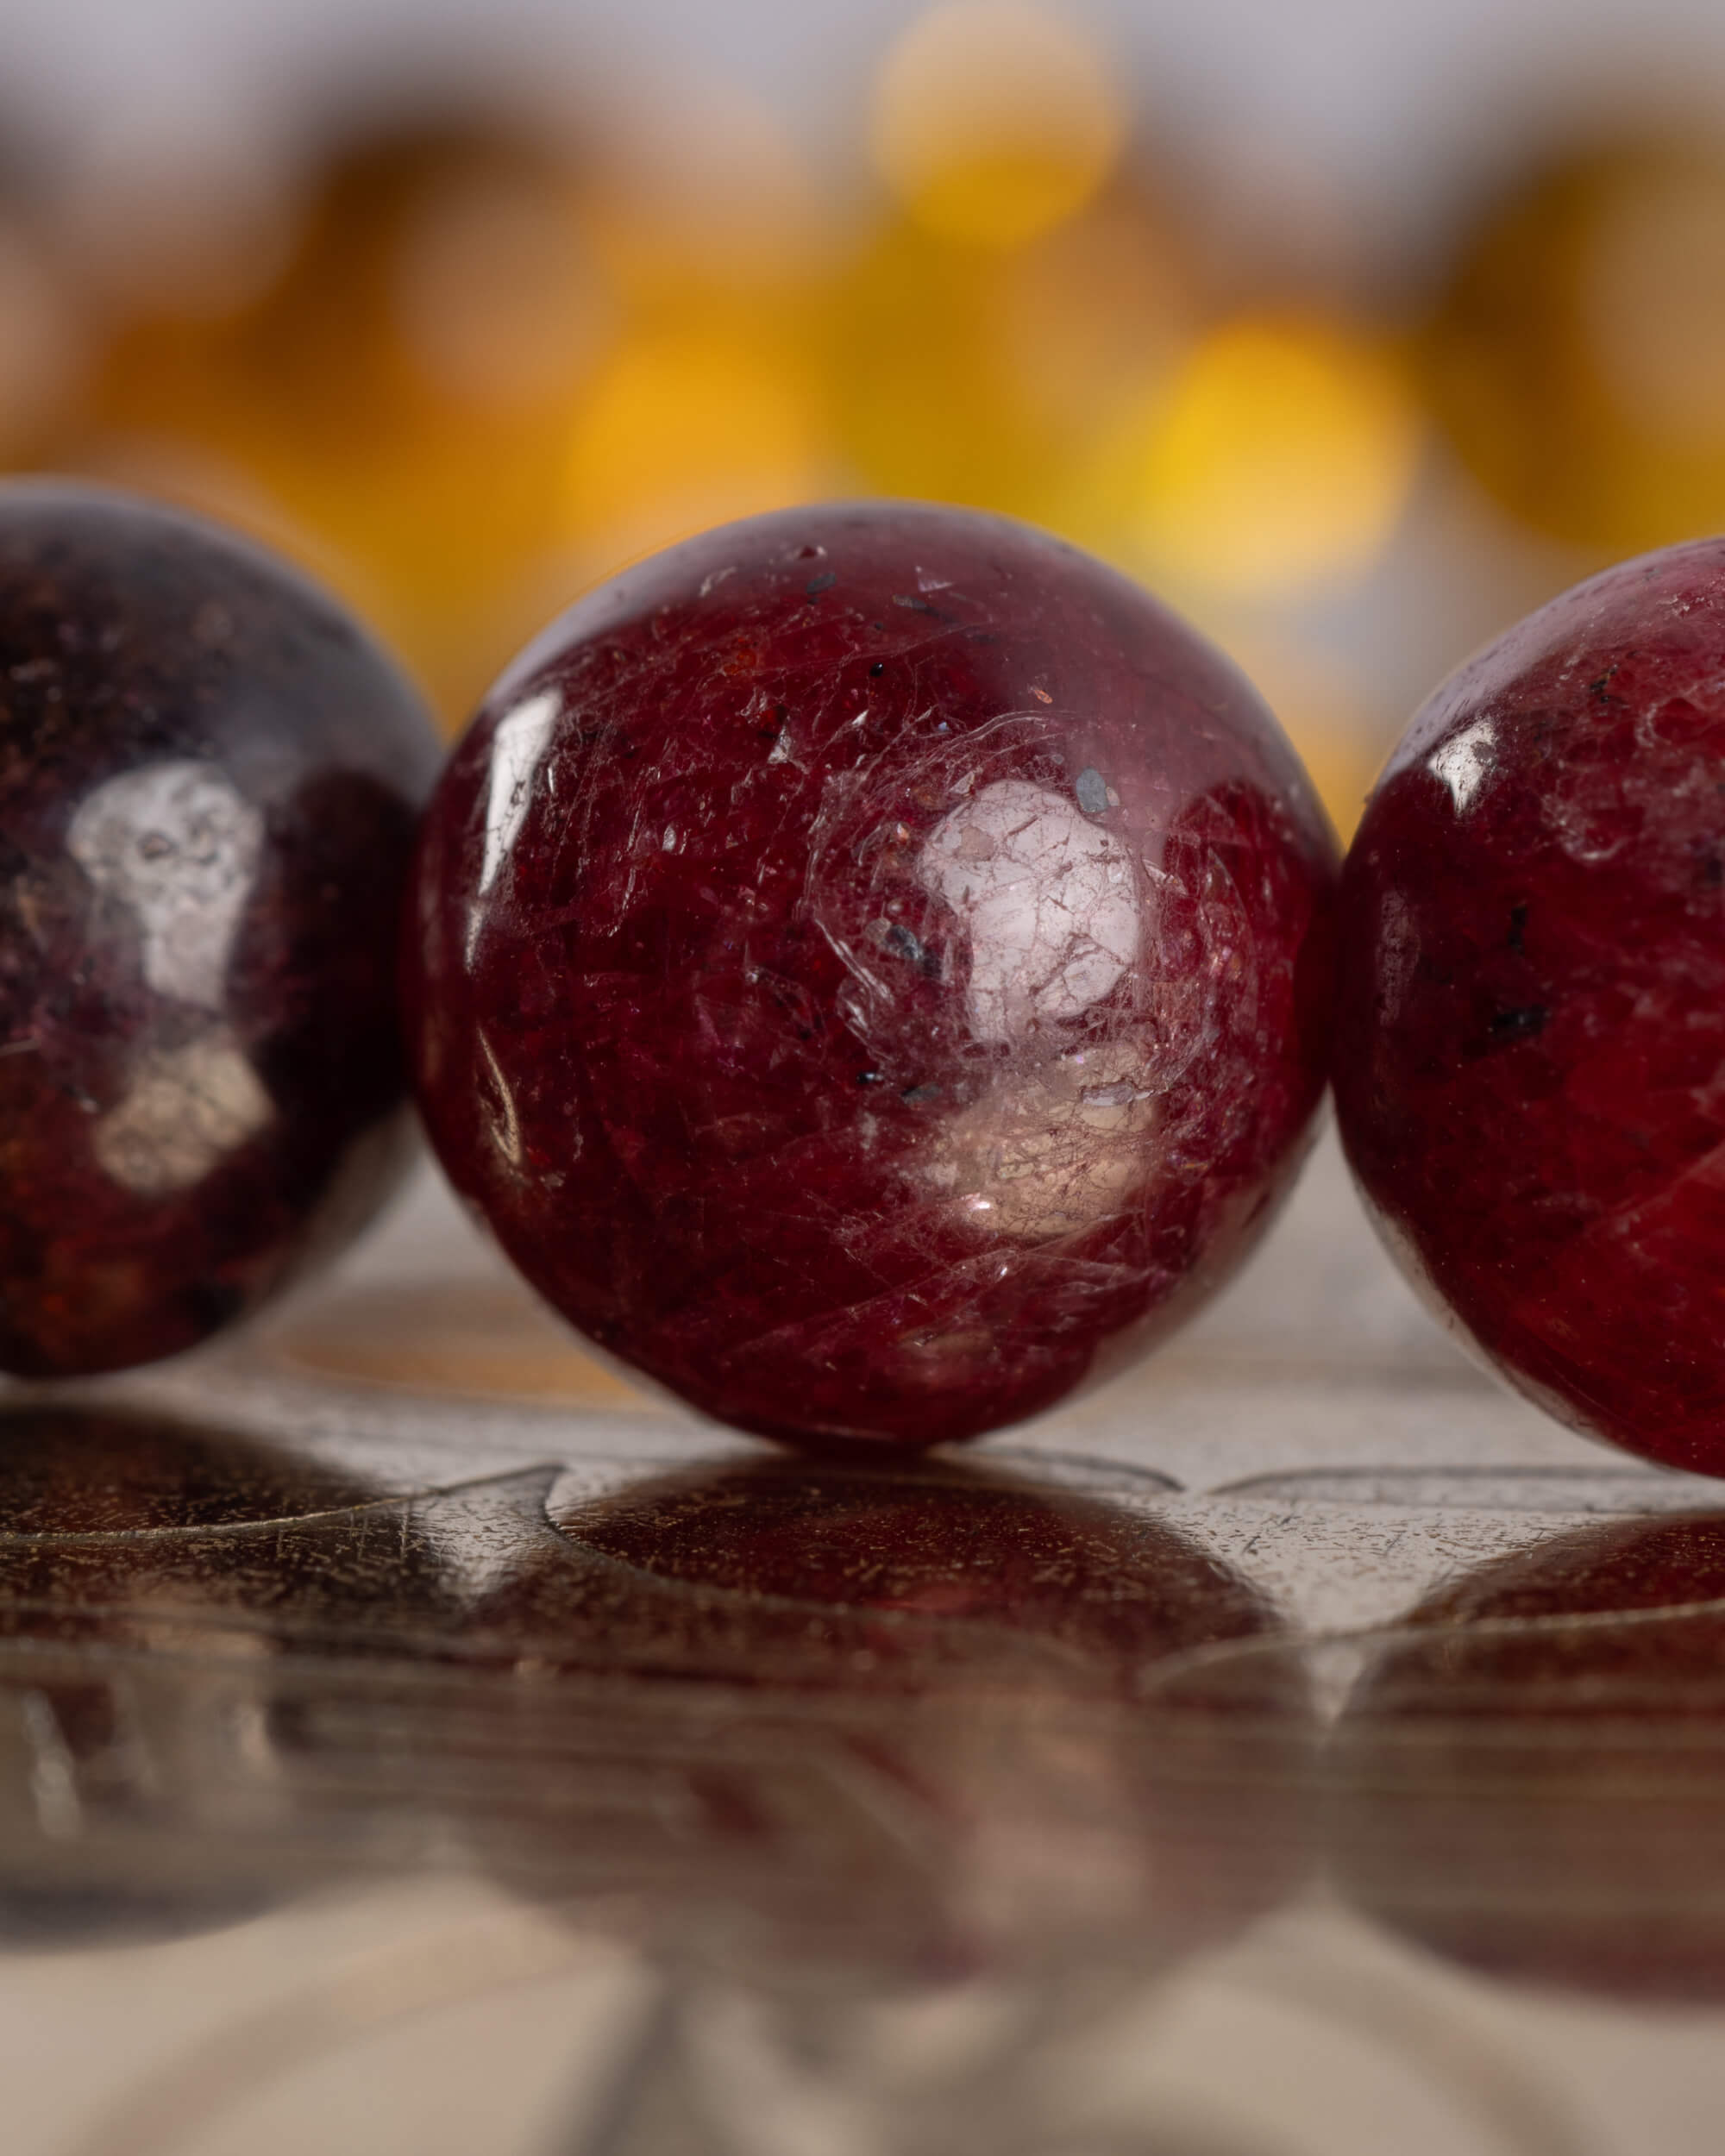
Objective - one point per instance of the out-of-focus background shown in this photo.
(1353, 329)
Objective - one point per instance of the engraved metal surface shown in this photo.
(414, 1738)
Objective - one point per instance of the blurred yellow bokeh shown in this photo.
(706, 193)
(1319, 702)
(1577, 358)
(45, 346)
(466, 369)
(986, 376)
(1278, 460)
(400, 393)
(994, 120)
(689, 424)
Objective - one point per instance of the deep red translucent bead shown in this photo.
(870, 969)
(209, 778)
(1530, 1057)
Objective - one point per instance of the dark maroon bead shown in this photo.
(208, 780)
(869, 970)
(1530, 1055)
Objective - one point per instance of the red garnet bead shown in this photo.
(1530, 1058)
(870, 966)
(207, 784)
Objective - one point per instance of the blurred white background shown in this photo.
(1398, 105)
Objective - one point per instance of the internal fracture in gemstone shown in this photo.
(870, 969)
(1530, 1060)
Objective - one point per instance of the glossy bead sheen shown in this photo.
(1530, 1068)
(208, 780)
(869, 961)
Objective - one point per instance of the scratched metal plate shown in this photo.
(414, 1738)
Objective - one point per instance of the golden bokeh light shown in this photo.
(692, 423)
(1277, 462)
(1088, 316)
(491, 291)
(471, 373)
(1322, 706)
(994, 120)
(397, 400)
(986, 377)
(44, 340)
(707, 191)
(1577, 360)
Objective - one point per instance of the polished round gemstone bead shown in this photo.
(870, 969)
(1530, 1053)
(208, 783)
